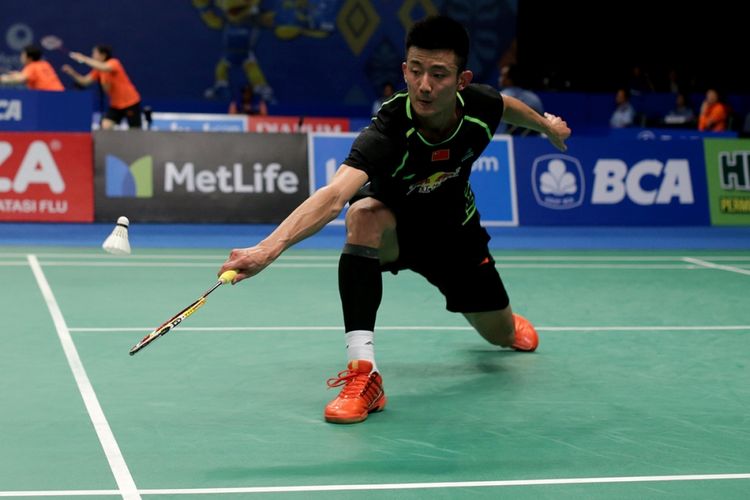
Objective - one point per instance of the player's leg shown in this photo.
(370, 241)
(111, 118)
(496, 327)
(467, 277)
(133, 116)
(505, 328)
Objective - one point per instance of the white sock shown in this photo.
(360, 345)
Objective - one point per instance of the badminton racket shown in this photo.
(226, 277)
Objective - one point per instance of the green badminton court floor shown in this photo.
(640, 387)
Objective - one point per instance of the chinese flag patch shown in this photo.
(441, 154)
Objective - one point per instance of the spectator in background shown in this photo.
(624, 113)
(745, 132)
(682, 114)
(714, 114)
(124, 99)
(387, 92)
(510, 82)
(36, 73)
(249, 103)
(639, 82)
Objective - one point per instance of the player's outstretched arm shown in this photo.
(554, 127)
(307, 219)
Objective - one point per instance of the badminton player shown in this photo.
(411, 207)
(124, 99)
(36, 73)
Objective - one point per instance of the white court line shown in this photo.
(426, 328)
(711, 265)
(396, 486)
(277, 265)
(335, 256)
(116, 461)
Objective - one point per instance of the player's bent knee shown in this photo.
(367, 220)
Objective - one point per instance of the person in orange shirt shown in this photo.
(124, 99)
(714, 113)
(36, 73)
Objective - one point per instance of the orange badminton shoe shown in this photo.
(361, 395)
(526, 338)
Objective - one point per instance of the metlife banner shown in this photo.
(492, 175)
(199, 176)
(612, 182)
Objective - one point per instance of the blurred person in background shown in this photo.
(37, 74)
(249, 103)
(386, 93)
(714, 114)
(511, 86)
(682, 113)
(124, 99)
(624, 113)
(411, 206)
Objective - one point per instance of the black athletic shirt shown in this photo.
(426, 182)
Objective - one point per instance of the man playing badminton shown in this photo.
(411, 207)
(124, 99)
(37, 73)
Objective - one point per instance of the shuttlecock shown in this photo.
(117, 242)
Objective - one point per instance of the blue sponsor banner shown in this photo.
(32, 110)
(493, 183)
(198, 122)
(326, 152)
(492, 176)
(601, 181)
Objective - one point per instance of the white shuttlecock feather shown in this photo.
(117, 243)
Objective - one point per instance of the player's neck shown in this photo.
(439, 128)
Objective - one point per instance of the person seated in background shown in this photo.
(510, 82)
(714, 114)
(387, 92)
(745, 132)
(624, 113)
(36, 73)
(249, 103)
(682, 113)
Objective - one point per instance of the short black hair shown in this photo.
(440, 33)
(33, 52)
(104, 49)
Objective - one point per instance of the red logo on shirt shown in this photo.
(441, 154)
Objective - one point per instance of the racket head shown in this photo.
(51, 42)
(168, 325)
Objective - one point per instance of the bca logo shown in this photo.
(558, 181)
(10, 110)
(37, 167)
(648, 182)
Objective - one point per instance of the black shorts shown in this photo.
(454, 259)
(131, 113)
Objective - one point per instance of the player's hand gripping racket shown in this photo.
(226, 277)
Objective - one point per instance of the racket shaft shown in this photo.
(168, 325)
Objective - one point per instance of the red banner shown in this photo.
(289, 124)
(46, 177)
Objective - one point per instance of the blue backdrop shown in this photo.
(330, 57)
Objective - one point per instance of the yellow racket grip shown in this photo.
(227, 276)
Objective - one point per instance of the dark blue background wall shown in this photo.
(170, 52)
